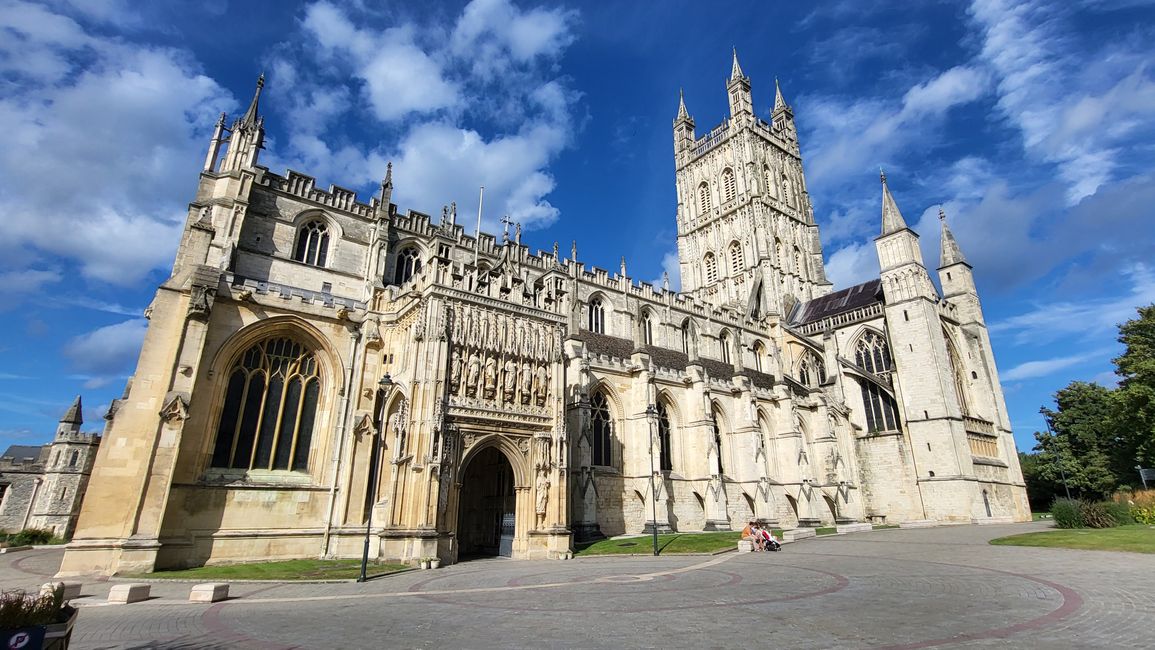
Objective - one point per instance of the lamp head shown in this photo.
(386, 381)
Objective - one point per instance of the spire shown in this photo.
(73, 415)
(735, 69)
(779, 101)
(892, 220)
(250, 117)
(951, 253)
(682, 113)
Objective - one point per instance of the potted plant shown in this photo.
(434, 563)
(36, 622)
(425, 561)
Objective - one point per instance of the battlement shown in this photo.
(336, 197)
(77, 438)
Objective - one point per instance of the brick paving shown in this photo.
(939, 587)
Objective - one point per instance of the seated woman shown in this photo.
(751, 534)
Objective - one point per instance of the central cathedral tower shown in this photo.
(746, 232)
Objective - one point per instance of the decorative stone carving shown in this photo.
(363, 426)
(542, 489)
(200, 300)
(175, 409)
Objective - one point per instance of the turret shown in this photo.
(71, 420)
(956, 277)
(904, 275)
(738, 87)
(683, 129)
(782, 115)
(247, 136)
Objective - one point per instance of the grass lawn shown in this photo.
(286, 570)
(670, 544)
(826, 530)
(1136, 538)
(885, 526)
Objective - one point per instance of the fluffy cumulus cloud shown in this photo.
(117, 131)
(109, 350)
(416, 78)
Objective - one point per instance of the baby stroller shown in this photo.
(771, 544)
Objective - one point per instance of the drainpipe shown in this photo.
(339, 454)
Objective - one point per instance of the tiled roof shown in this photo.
(20, 452)
(837, 302)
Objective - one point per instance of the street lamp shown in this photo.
(651, 419)
(385, 387)
(1059, 461)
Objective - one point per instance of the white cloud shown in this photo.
(1075, 108)
(852, 264)
(109, 350)
(494, 34)
(1047, 367)
(117, 131)
(672, 268)
(27, 281)
(1050, 321)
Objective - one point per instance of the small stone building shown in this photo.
(43, 486)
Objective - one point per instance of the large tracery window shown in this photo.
(597, 320)
(729, 187)
(811, 370)
(956, 367)
(724, 347)
(717, 440)
(703, 200)
(408, 264)
(269, 410)
(711, 264)
(872, 354)
(647, 328)
(312, 243)
(687, 334)
(666, 459)
(602, 430)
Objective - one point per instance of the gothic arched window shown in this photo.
(312, 243)
(597, 320)
(811, 370)
(270, 405)
(735, 259)
(881, 410)
(73, 459)
(724, 346)
(717, 439)
(687, 336)
(729, 186)
(778, 259)
(602, 429)
(759, 351)
(703, 199)
(799, 263)
(872, 354)
(666, 462)
(711, 264)
(956, 367)
(768, 179)
(408, 264)
(647, 327)
(786, 195)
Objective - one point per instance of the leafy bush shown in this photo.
(1067, 514)
(1120, 512)
(31, 536)
(1096, 515)
(18, 609)
(1141, 504)
(1143, 514)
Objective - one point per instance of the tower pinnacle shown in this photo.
(951, 252)
(74, 414)
(892, 220)
(735, 69)
(250, 117)
(779, 101)
(683, 114)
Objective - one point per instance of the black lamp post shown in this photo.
(386, 386)
(1058, 461)
(651, 417)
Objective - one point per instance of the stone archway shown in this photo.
(487, 519)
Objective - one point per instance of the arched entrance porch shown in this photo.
(487, 506)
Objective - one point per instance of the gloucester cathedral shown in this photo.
(319, 368)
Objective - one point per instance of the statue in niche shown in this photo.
(473, 375)
(542, 488)
(490, 378)
(509, 380)
(541, 385)
(494, 332)
(455, 372)
(526, 382)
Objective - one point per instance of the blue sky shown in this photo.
(1030, 122)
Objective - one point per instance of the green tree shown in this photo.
(1082, 442)
(1135, 397)
(1041, 492)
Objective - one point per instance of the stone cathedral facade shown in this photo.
(318, 366)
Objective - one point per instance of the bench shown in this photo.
(795, 534)
(131, 593)
(210, 592)
(745, 546)
(842, 529)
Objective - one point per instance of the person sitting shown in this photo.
(750, 534)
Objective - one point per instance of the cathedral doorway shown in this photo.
(487, 508)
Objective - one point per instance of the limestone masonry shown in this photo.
(317, 365)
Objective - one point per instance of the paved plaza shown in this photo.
(939, 587)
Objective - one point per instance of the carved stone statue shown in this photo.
(526, 382)
(509, 383)
(541, 385)
(473, 375)
(490, 378)
(455, 367)
(542, 488)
